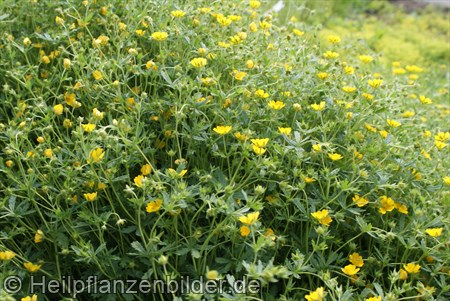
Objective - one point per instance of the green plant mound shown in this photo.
(147, 140)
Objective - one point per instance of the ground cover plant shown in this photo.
(165, 139)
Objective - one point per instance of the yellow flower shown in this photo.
(408, 114)
(322, 75)
(412, 268)
(349, 70)
(174, 173)
(38, 236)
(222, 20)
(377, 298)
(298, 32)
(401, 208)
(276, 105)
(139, 180)
(356, 260)
(442, 136)
(335, 156)
(32, 268)
(348, 89)
(393, 123)
(58, 109)
(90, 196)
(365, 58)
(333, 39)
(254, 4)
(96, 155)
(28, 298)
(97, 114)
(331, 54)
(88, 127)
(387, 205)
(375, 83)
(7, 255)
(198, 62)
(45, 59)
(370, 128)
(318, 106)
(403, 275)
(66, 64)
(414, 69)
(447, 180)
(59, 20)
(239, 75)
(154, 206)
(139, 32)
(309, 180)
(48, 153)
(427, 155)
(439, 144)
(317, 295)
(204, 10)
(322, 217)
(425, 100)
(250, 64)
(177, 13)
(222, 129)
(212, 275)
(260, 142)
(258, 150)
(97, 75)
(350, 270)
(160, 36)
(317, 147)
(368, 96)
(286, 131)
(398, 71)
(250, 218)
(244, 230)
(261, 94)
(253, 27)
(71, 100)
(146, 169)
(241, 137)
(360, 201)
(151, 65)
(265, 24)
(434, 232)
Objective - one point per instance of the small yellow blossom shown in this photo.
(258, 150)
(32, 268)
(349, 70)
(317, 295)
(322, 217)
(261, 93)
(198, 62)
(348, 89)
(286, 131)
(222, 129)
(447, 180)
(244, 230)
(393, 123)
(350, 270)
(276, 105)
(7, 255)
(403, 275)
(318, 106)
(331, 54)
(97, 75)
(238, 75)
(260, 142)
(360, 201)
(160, 36)
(250, 218)
(333, 39)
(154, 206)
(365, 58)
(412, 268)
(241, 137)
(439, 144)
(58, 109)
(425, 100)
(356, 260)
(250, 64)
(146, 169)
(317, 147)
(298, 32)
(408, 114)
(376, 298)
(177, 13)
(38, 236)
(309, 180)
(335, 156)
(434, 232)
(139, 180)
(375, 83)
(88, 127)
(90, 196)
(442, 136)
(96, 155)
(387, 204)
(401, 208)
(322, 75)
